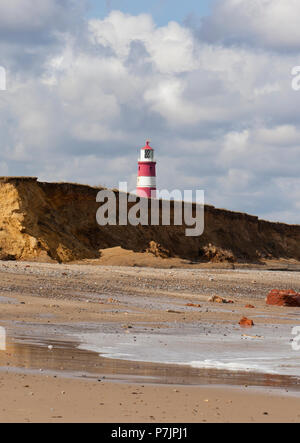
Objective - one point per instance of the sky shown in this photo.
(162, 11)
(89, 82)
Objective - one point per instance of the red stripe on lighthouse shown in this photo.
(147, 169)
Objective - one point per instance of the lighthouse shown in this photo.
(146, 182)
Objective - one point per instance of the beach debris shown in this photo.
(250, 307)
(278, 297)
(170, 311)
(217, 299)
(50, 347)
(112, 300)
(158, 250)
(215, 254)
(253, 336)
(192, 305)
(246, 322)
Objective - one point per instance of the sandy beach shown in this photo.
(38, 398)
(168, 354)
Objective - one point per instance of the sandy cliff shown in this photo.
(57, 221)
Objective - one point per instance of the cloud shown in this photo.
(271, 24)
(18, 16)
(33, 30)
(222, 117)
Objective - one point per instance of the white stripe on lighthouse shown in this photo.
(145, 182)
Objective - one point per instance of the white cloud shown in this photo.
(170, 48)
(118, 30)
(270, 24)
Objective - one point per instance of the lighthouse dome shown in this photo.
(147, 153)
(147, 145)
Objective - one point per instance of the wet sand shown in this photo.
(42, 398)
(39, 297)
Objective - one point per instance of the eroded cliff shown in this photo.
(58, 221)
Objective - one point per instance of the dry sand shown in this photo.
(48, 294)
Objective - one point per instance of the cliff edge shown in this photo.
(58, 221)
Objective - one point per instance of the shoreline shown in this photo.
(67, 360)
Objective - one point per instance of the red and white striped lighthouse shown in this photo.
(146, 182)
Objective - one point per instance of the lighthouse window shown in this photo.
(148, 153)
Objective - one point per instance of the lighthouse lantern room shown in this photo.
(146, 182)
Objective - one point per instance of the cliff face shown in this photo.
(58, 221)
